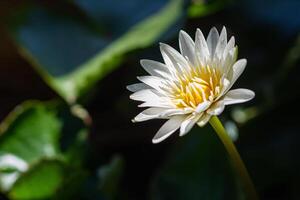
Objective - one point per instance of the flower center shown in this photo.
(196, 86)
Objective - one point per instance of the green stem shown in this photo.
(235, 157)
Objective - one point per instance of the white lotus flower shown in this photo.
(190, 86)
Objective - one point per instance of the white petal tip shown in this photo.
(142, 61)
(156, 141)
(204, 120)
(243, 60)
(182, 33)
(131, 88)
(251, 95)
(238, 96)
(198, 30)
(183, 132)
(202, 124)
(159, 139)
(214, 29)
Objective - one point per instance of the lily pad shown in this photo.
(36, 145)
(40, 182)
(32, 134)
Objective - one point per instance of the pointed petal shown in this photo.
(229, 58)
(228, 47)
(168, 62)
(178, 62)
(202, 106)
(221, 44)
(229, 61)
(237, 70)
(225, 82)
(204, 119)
(160, 113)
(153, 81)
(175, 111)
(188, 124)
(168, 128)
(155, 68)
(201, 48)
(150, 113)
(238, 96)
(187, 47)
(212, 40)
(137, 86)
(144, 95)
(153, 99)
(157, 103)
(217, 108)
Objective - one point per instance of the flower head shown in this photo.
(190, 86)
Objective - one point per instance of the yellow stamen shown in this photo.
(196, 86)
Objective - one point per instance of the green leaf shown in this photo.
(197, 168)
(71, 188)
(32, 134)
(72, 55)
(39, 182)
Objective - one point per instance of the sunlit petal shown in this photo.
(188, 124)
(155, 68)
(137, 86)
(168, 128)
(217, 108)
(187, 47)
(212, 41)
(238, 96)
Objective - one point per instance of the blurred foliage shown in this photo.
(201, 8)
(33, 133)
(72, 55)
(40, 182)
(31, 148)
(39, 158)
(59, 149)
